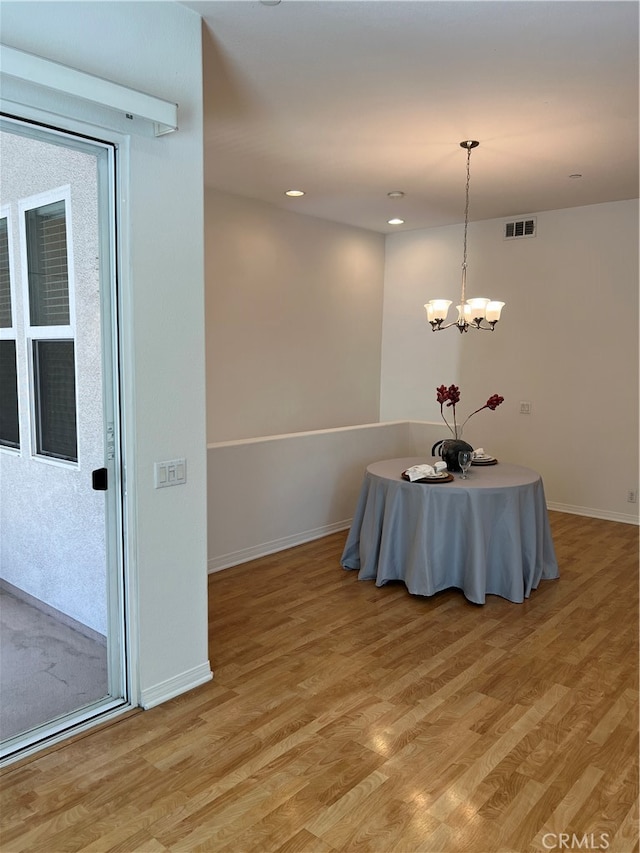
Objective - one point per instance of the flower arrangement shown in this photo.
(451, 397)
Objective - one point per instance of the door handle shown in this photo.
(99, 480)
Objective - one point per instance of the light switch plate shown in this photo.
(173, 472)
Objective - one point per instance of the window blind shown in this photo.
(9, 426)
(5, 277)
(55, 391)
(47, 265)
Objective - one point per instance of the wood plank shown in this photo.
(345, 717)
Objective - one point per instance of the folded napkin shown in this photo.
(478, 453)
(419, 472)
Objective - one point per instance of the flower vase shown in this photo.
(448, 449)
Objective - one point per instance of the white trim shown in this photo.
(128, 416)
(38, 333)
(264, 549)
(11, 332)
(605, 515)
(330, 431)
(33, 202)
(175, 686)
(123, 646)
(244, 555)
(47, 74)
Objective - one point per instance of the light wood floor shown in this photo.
(343, 717)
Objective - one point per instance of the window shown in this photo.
(55, 399)
(6, 319)
(9, 427)
(47, 264)
(9, 422)
(51, 332)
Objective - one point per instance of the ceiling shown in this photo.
(349, 101)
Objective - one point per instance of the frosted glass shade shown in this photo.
(466, 314)
(437, 309)
(493, 310)
(477, 306)
(477, 313)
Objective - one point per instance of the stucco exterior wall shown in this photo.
(52, 544)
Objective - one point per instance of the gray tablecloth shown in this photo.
(488, 534)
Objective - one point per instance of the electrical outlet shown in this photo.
(632, 496)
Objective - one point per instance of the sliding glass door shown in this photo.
(62, 639)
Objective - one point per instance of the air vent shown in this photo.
(520, 228)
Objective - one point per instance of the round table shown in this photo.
(488, 534)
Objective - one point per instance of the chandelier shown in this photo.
(479, 312)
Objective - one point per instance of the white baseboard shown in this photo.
(244, 555)
(625, 518)
(234, 558)
(175, 686)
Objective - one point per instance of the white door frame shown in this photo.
(124, 586)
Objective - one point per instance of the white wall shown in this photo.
(577, 362)
(267, 494)
(260, 499)
(294, 320)
(154, 47)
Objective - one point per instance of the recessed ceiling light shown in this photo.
(396, 194)
(575, 176)
(395, 221)
(294, 193)
(270, 2)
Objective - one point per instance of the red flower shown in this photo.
(453, 393)
(442, 395)
(451, 396)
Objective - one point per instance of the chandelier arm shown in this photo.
(477, 324)
(438, 325)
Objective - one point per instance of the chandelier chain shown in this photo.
(466, 224)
